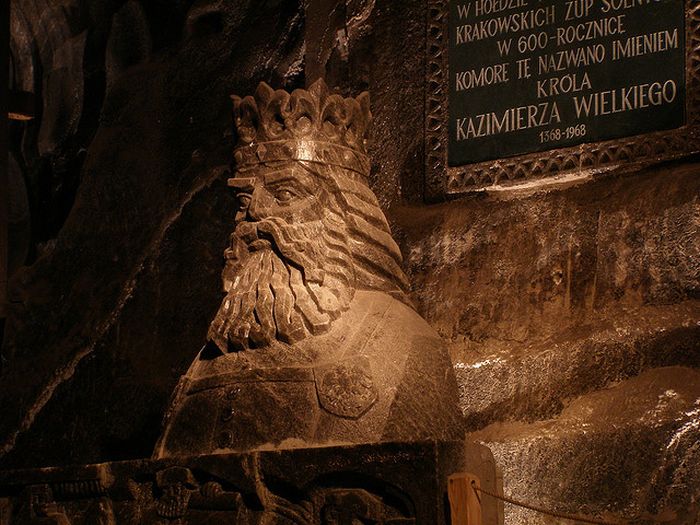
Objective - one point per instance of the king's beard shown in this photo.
(291, 281)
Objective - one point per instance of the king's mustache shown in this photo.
(260, 234)
(284, 240)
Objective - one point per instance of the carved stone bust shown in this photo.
(315, 342)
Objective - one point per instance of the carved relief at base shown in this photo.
(374, 484)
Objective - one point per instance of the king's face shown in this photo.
(289, 273)
(286, 191)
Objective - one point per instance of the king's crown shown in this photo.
(312, 126)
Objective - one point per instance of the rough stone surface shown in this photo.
(543, 297)
(564, 303)
(641, 441)
(105, 322)
(522, 268)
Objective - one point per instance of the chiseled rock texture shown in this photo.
(571, 314)
(573, 321)
(627, 450)
(118, 304)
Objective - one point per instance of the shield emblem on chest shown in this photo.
(346, 389)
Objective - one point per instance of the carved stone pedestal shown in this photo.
(391, 483)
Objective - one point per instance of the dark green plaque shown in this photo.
(534, 75)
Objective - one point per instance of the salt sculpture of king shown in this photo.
(316, 342)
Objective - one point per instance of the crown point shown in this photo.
(319, 89)
(264, 92)
(329, 123)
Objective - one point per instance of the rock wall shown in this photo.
(117, 305)
(573, 320)
(571, 314)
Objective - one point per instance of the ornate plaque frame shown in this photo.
(442, 181)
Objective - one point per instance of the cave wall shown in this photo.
(572, 321)
(571, 313)
(115, 307)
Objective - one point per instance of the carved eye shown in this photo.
(243, 200)
(284, 195)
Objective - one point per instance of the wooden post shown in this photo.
(499, 491)
(4, 149)
(465, 507)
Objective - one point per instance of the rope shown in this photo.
(572, 517)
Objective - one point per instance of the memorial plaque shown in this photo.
(534, 75)
(518, 90)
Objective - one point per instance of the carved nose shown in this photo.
(261, 204)
(248, 232)
(256, 206)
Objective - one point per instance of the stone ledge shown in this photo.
(387, 483)
(640, 439)
(508, 381)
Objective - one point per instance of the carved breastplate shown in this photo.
(356, 386)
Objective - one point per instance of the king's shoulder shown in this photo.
(386, 316)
